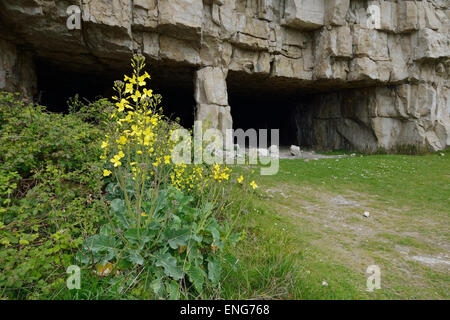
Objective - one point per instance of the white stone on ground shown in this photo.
(295, 151)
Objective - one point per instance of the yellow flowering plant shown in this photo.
(165, 219)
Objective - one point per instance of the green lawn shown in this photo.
(307, 226)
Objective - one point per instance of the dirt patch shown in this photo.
(388, 237)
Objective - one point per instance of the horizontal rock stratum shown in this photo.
(376, 72)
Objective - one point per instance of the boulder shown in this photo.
(295, 151)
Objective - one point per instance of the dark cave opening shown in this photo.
(257, 109)
(56, 84)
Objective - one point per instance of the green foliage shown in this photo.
(7, 188)
(176, 250)
(91, 112)
(31, 138)
(49, 195)
(150, 229)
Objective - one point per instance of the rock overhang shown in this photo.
(291, 47)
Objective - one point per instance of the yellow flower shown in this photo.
(130, 80)
(121, 105)
(240, 179)
(106, 173)
(154, 120)
(147, 93)
(116, 161)
(129, 88)
(136, 96)
(141, 80)
(104, 144)
(122, 140)
(135, 130)
(253, 185)
(126, 119)
(148, 137)
(121, 154)
(143, 214)
(167, 159)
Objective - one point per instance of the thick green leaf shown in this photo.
(177, 238)
(156, 286)
(135, 257)
(103, 247)
(173, 289)
(118, 205)
(102, 243)
(133, 235)
(231, 260)
(214, 228)
(214, 270)
(169, 263)
(83, 257)
(197, 277)
(107, 230)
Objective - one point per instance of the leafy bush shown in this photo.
(50, 195)
(96, 112)
(140, 224)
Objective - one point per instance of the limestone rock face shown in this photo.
(395, 118)
(398, 50)
(212, 99)
(16, 70)
(304, 14)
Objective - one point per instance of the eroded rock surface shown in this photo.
(384, 65)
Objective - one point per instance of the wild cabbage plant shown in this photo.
(168, 223)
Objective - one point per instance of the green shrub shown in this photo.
(96, 112)
(50, 195)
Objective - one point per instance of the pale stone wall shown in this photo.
(212, 98)
(393, 118)
(16, 70)
(325, 45)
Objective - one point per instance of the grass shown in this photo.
(307, 227)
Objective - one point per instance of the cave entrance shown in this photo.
(57, 83)
(175, 83)
(260, 107)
